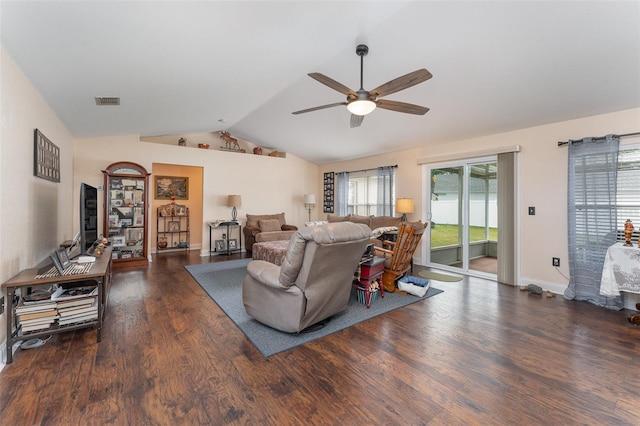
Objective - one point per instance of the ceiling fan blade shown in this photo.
(401, 83)
(302, 111)
(356, 120)
(332, 83)
(401, 107)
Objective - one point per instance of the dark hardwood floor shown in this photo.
(479, 353)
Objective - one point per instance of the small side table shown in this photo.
(370, 272)
(230, 225)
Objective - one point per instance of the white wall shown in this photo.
(543, 183)
(266, 184)
(35, 214)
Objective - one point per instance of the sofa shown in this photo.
(266, 227)
(314, 281)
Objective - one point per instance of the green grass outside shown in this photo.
(447, 235)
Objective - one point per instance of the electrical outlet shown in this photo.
(555, 261)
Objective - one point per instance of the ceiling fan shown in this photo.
(363, 102)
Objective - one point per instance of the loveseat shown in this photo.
(266, 227)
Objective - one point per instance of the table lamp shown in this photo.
(234, 201)
(404, 206)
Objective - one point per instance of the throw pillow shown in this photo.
(379, 231)
(359, 219)
(336, 218)
(316, 223)
(269, 225)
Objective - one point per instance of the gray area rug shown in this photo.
(223, 282)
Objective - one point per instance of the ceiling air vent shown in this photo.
(107, 101)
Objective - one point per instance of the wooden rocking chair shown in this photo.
(399, 253)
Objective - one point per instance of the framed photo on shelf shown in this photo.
(221, 245)
(166, 210)
(138, 218)
(118, 241)
(171, 186)
(63, 257)
(174, 226)
(233, 244)
(181, 210)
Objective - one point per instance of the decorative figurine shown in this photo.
(230, 142)
(628, 231)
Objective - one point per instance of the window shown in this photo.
(628, 181)
(370, 193)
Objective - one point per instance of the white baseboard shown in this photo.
(552, 287)
(630, 300)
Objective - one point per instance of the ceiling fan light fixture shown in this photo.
(361, 107)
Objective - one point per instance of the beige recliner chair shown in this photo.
(314, 281)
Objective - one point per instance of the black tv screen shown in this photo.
(88, 217)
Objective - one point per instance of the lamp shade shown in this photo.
(309, 198)
(234, 201)
(404, 205)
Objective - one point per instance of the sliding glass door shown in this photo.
(464, 217)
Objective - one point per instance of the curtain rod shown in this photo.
(395, 166)
(601, 137)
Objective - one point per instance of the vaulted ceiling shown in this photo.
(186, 67)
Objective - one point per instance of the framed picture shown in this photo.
(138, 218)
(174, 226)
(126, 222)
(63, 257)
(46, 158)
(220, 245)
(181, 210)
(166, 210)
(118, 241)
(171, 186)
(233, 244)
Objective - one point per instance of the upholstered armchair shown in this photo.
(314, 281)
(266, 227)
(399, 254)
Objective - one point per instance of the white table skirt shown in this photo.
(621, 271)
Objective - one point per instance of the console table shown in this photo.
(100, 274)
(621, 270)
(230, 226)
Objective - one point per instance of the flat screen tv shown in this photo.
(88, 217)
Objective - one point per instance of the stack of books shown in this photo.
(36, 315)
(76, 305)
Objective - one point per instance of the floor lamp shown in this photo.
(404, 206)
(309, 203)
